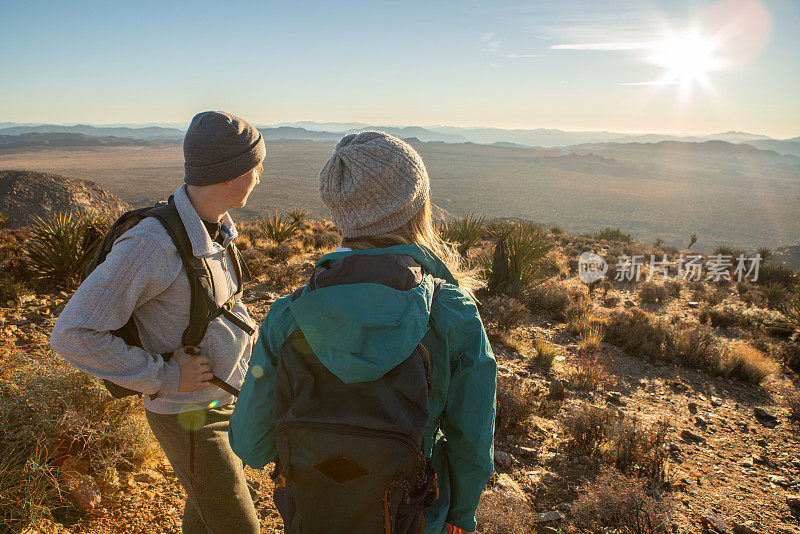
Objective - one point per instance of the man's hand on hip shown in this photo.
(194, 370)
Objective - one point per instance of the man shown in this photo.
(144, 276)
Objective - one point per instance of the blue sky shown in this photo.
(677, 66)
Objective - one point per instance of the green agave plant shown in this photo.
(278, 228)
(466, 231)
(516, 262)
(62, 244)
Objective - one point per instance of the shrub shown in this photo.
(61, 246)
(591, 339)
(651, 292)
(499, 513)
(3, 220)
(323, 239)
(504, 312)
(624, 503)
(673, 288)
(764, 252)
(10, 288)
(545, 353)
(579, 315)
(282, 252)
(516, 261)
(548, 297)
(777, 272)
(613, 234)
(38, 428)
(556, 230)
(465, 231)
(588, 373)
(298, 216)
(587, 428)
(278, 228)
(791, 311)
(282, 276)
(635, 332)
(515, 404)
(774, 294)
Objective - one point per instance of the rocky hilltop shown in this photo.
(26, 194)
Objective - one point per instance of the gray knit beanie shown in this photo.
(219, 147)
(374, 183)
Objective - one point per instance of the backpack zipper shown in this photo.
(350, 431)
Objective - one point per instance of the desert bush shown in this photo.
(774, 294)
(613, 234)
(556, 230)
(283, 252)
(3, 220)
(298, 216)
(731, 313)
(10, 288)
(588, 373)
(636, 332)
(637, 448)
(651, 292)
(579, 315)
(791, 311)
(278, 228)
(61, 245)
(591, 339)
(516, 263)
(283, 277)
(243, 242)
(499, 513)
(504, 312)
(764, 252)
(587, 428)
(624, 503)
(323, 239)
(673, 288)
(515, 404)
(550, 297)
(720, 316)
(38, 429)
(544, 353)
(465, 231)
(777, 272)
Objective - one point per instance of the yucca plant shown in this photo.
(278, 228)
(298, 216)
(774, 294)
(61, 245)
(791, 310)
(466, 231)
(764, 252)
(516, 262)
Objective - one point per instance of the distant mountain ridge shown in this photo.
(151, 133)
(67, 139)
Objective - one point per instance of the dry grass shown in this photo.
(545, 353)
(624, 503)
(588, 373)
(503, 514)
(515, 404)
(636, 332)
(38, 428)
(652, 292)
(504, 312)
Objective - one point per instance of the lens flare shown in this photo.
(257, 371)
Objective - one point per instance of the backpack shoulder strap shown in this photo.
(200, 281)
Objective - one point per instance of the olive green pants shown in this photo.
(196, 445)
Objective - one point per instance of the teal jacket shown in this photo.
(349, 326)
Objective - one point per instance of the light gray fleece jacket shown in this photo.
(143, 276)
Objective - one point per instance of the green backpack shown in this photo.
(203, 304)
(350, 456)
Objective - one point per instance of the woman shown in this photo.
(378, 191)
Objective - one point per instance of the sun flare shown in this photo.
(687, 59)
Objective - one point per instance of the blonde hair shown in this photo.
(421, 230)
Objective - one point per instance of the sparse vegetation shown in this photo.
(516, 261)
(515, 404)
(614, 234)
(624, 503)
(499, 513)
(298, 216)
(61, 246)
(3, 220)
(278, 228)
(652, 292)
(504, 312)
(39, 429)
(465, 231)
(545, 353)
(774, 294)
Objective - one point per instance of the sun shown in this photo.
(687, 59)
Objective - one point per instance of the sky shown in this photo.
(634, 66)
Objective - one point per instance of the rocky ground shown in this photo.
(734, 456)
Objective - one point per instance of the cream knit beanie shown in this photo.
(373, 183)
